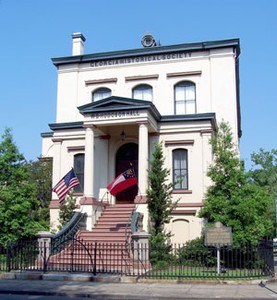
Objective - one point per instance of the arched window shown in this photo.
(101, 93)
(79, 163)
(180, 169)
(143, 92)
(185, 98)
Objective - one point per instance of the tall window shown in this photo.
(185, 98)
(101, 93)
(143, 92)
(79, 163)
(180, 169)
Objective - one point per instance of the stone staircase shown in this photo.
(103, 249)
(113, 227)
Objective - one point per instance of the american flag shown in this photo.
(68, 182)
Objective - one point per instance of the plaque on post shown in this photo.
(218, 236)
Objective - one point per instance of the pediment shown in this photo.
(114, 103)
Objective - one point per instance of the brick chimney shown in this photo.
(78, 41)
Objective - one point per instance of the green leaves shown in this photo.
(67, 209)
(19, 205)
(234, 198)
(159, 192)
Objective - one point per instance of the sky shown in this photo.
(34, 31)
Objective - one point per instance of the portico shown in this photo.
(107, 120)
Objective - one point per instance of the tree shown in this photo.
(41, 176)
(67, 209)
(160, 206)
(159, 202)
(18, 202)
(233, 199)
(264, 171)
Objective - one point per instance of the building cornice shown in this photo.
(168, 119)
(68, 125)
(192, 118)
(158, 50)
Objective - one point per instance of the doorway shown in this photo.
(127, 156)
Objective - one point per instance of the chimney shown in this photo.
(78, 43)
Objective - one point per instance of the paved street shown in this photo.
(77, 288)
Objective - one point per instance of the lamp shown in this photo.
(122, 135)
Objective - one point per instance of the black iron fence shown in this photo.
(178, 262)
(246, 261)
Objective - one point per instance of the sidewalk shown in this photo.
(111, 288)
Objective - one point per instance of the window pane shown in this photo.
(185, 92)
(180, 171)
(79, 162)
(143, 92)
(190, 93)
(179, 93)
(180, 108)
(190, 107)
(137, 94)
(101, 94)
(147, 95)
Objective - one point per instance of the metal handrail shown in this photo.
(68, 232)
(129, 223)
(133, 220)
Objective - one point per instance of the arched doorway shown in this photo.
(126, 156)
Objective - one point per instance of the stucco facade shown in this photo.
(174, 94)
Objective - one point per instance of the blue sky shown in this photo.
(34, 31)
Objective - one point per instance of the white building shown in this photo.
(113, 107)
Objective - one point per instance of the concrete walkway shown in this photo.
(114, 288)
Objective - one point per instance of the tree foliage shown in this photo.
(160, 206)
(18, 201)
(264, 171)
(67, 209)
(41, 176)
(159, 202)
(233, 199)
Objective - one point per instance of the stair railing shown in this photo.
(67, 233)
(135, 222)
(101, 201)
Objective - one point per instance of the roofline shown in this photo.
(198, 46)
(68, 125)
(132, 104)
(170, 118)
(191, 117)
(46, 134)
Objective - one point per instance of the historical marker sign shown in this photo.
(218, 236)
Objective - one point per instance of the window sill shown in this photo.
(182, 192)
(77, 194)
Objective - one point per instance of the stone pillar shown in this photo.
(89, 163)
(141, 246)
(44, 244)
(143, 158)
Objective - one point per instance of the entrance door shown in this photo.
(126, 156)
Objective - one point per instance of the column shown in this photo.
(206, 158)
(89, 163)
(143, 158)
(57, 166)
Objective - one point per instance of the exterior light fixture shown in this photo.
(122, 135)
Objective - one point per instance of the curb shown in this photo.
(111, 278)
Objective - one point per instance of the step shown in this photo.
(115, 218)
(111, 223)
(110, 229)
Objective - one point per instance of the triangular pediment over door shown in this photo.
(115, 103)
